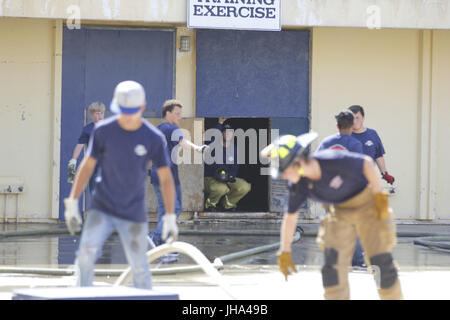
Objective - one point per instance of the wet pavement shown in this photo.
(56, 249)
(59, 250)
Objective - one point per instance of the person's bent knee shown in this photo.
(335, 288)
(246, 187)
(329, 272)
(383, 265)
(220, 188)
(87, 255)
(242, 187)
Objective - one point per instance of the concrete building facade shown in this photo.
(392, 57)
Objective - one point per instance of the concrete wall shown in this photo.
(26, 112)
(439, 151)
(416, 14)
(30, 77)
(420, 14)
(399, 76)
(185, 73)
(401, 79)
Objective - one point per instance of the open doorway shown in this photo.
(257, 200)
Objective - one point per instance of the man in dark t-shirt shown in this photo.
(372, 145)
(348, 183)
(344, 141)
(96, 111)
(123, 145)
(171, 113)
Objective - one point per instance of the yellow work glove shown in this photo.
(381, 205)
(285, 263)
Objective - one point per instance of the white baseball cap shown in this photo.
(129, 97)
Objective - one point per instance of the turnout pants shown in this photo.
(337, 234)
(231, 192)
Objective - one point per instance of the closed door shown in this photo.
(96, 59)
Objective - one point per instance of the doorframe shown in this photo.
(60, 26)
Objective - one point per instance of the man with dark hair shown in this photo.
(344, 141)
(171, 113)
(348, 183)
(372, 145)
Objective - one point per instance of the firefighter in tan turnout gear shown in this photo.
(348, 185)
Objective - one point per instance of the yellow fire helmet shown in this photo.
(287, 150)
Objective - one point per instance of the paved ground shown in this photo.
(425, 273)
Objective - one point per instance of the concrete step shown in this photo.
(184, 216)
(237, 215)
(275, 217)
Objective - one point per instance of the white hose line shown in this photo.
(190, 251)
(102, 272)
(218, 264)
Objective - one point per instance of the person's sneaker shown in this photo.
(232, 209)
(227, 205)
(170, 258)
(359, 264)
(300, 231)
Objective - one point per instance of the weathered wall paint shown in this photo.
(377, 69)
(420, 14)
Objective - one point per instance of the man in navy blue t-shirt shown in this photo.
(123, 146)
(348, 183)
(372, 145)
(171, 113)
(344, 141)
(96, 111)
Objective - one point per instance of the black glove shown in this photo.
(232, 179)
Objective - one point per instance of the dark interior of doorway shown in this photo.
(257, 200)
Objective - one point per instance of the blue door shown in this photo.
(94, 61)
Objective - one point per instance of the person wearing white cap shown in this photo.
(123, 145)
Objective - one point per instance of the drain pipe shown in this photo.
(275, 233)
(435, 242)
(249, 252)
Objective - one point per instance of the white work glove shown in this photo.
(201, 148)
(169, 227)
(72, 215)
(72, 166)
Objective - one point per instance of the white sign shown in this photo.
(235, 14)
